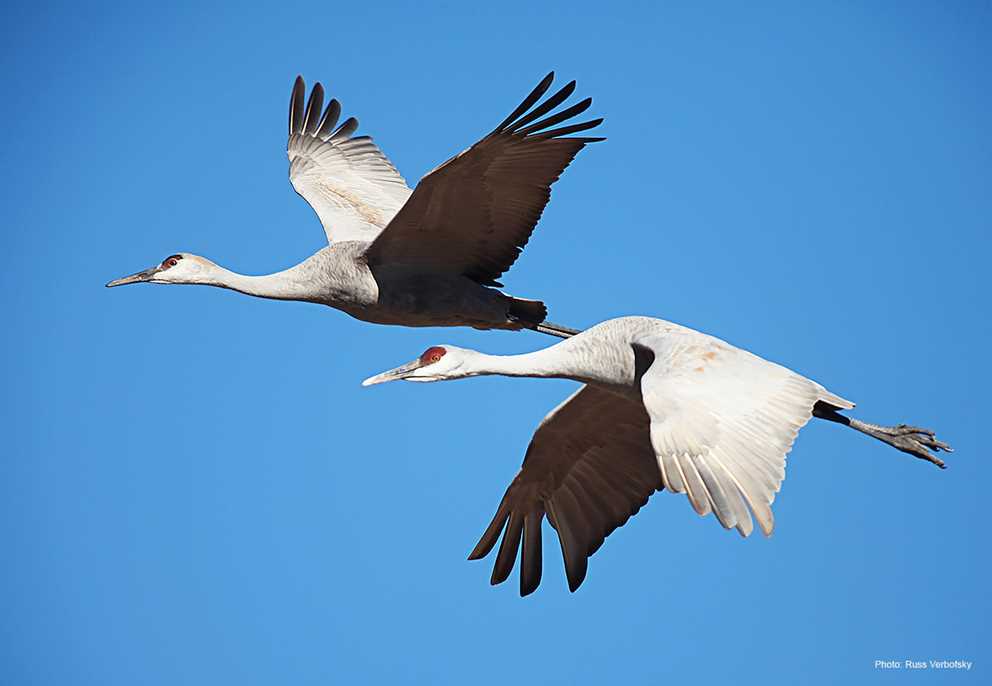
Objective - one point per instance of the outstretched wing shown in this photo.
(351, 185)
(722, 422)
(474, 214)
(716, 423)
(589, 467)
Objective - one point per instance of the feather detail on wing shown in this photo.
(474, 214)
(722, 422)
(589, 468)
(351, 185)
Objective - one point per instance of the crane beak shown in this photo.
(139, 277)
(401, 372)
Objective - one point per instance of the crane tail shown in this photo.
(530, 314)
(527, 312)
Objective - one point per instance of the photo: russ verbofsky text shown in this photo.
(913, 664)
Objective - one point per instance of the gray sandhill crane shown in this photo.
(426, 257)
(662, 407)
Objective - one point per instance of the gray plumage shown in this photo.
(424, 257)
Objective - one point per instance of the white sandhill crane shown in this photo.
(427, 257)
(663, 407)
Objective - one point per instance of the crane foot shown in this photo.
(909, 439)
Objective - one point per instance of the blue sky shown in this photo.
(195, 489)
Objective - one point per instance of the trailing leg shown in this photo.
(909, 439)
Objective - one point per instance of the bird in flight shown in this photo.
(663, 407)
(426, 257)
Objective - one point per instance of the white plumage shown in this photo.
(663, 407)
(722, 422)
(351, 185)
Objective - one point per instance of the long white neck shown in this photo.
(582, 358)
(558, 361)
(288, 284)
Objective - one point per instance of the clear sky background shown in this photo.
(195, 489)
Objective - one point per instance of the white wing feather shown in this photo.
(714, 422)
(351, 185)
(722, 422)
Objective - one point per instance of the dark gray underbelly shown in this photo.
(412, 299)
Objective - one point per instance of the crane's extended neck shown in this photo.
(577, 358)
(538, 364)
(284, 285)
(331, 278)
(570, 359)
(300, 282)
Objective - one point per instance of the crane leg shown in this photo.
(552, 329)
(909, 439)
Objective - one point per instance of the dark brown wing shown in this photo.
(474, 214)
(589, 467)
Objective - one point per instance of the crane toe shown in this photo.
(919, 443)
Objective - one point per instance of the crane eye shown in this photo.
(171, 261)
(432, 355)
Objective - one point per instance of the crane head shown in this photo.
(179, 268)
(437, 363)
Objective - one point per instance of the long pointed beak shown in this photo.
(401, 372)
(139, 277)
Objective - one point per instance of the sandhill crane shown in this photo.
(662, 407)
(427, 257)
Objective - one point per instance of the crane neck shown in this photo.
(580, 358)
(550, 363)
(289, 284)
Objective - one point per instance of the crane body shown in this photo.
(662, 407)
(428, 256)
